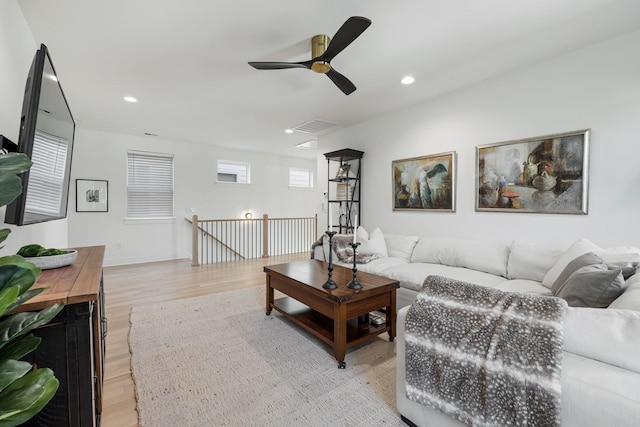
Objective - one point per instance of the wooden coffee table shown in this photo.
(338, 317)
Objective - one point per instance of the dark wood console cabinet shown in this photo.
(73, 343)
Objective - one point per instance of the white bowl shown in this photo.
(53, 261)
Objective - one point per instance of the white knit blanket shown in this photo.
(483, 356)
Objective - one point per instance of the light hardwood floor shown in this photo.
(141, 284)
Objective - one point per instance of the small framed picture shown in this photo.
(92, 195)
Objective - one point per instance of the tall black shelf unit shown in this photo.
(344, 169)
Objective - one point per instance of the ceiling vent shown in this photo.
(314, 126)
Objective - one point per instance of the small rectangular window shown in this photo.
(149, 185)
(230, 171)
(300, 178)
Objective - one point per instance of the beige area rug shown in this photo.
(218, 360)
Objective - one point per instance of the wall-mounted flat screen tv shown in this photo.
(47, 130)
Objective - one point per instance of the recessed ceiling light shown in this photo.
(407, 80)
(288, 131)
(130, 99)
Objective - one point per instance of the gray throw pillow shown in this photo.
(582, 261)
(592, 286)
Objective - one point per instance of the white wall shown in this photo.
(103, 156)
(100, 155)
(597, 87)
(17, 49)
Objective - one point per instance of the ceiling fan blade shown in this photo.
(341, 81)
(350, 30)
(279, 65)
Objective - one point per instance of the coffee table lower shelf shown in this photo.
(322, 326)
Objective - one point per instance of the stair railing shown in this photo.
(222, 240)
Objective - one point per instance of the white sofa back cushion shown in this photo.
(400, 246)
(530, 261)
(482, 256)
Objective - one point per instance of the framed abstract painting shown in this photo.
(545, 174)
(424, 183)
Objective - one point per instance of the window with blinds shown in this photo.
(46, 176)
(238, 172)
(149, 185)
(300, 178)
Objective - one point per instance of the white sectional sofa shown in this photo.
(601, 352)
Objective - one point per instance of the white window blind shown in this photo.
(46, 176)
(229, 171)
(300, 178)
(149, 185)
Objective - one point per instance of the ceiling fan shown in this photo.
(323, 50)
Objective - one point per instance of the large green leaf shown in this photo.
(25, 297)
(4, 232)
(14, 163)
(18, 272)
(19, 324)
(11, 187)
(11, 370)
(29, 395)
(8, 297)
(20, 347)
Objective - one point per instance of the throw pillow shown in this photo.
(580, 247)
(592, 286)
(372, 243)
(582, 261)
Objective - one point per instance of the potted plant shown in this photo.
(24, 389)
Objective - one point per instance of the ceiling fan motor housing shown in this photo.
(319, 45)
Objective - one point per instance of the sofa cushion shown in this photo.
(578, 248)
(584, 260)
(523, 286)
(620, 257)
(630, 298)
(592, 286)
(371, 243)
(482, 256)
(411, 276)
(610, 336)
(379, 265)
(400, 246)
(530, 261)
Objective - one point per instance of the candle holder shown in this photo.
(354, 284)
(330, 284)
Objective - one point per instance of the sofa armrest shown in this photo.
(608, 335)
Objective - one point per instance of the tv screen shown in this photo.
(47, 131)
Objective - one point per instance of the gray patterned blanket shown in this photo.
(343, 250)
(483, 356)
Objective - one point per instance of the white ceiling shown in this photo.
(186, 61)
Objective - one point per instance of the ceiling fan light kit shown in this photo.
(323, 50)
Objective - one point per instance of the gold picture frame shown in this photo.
(425, 183)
